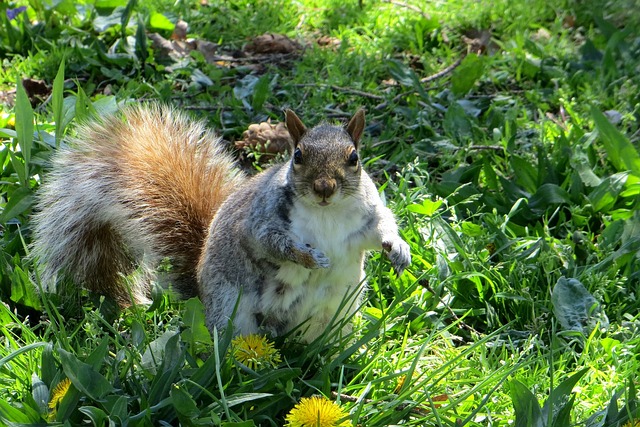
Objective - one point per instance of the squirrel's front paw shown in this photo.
(310, 257)
(398, 253)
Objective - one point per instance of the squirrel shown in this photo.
(281, 250)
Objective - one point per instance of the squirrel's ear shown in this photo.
(356, 126)
(296, 128)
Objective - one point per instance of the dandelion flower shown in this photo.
(400, 383)
(255, 351)
(635, 423)
(317, 412)
(59, 392)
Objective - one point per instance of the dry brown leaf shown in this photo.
(328, 41)
(208, 50)
(178, 49)
(8, 97)
(267, 139)
(272, 43)
(180, 30)
(480, 41)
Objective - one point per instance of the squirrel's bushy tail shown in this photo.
(127, 192)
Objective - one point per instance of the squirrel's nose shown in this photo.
(324, 187)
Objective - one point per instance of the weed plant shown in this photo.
(504, 135)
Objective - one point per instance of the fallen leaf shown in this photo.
(180, 30)
(328, 41)
(266, 140)
(272, 43)
(479, 41)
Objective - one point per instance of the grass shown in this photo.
(516, 168)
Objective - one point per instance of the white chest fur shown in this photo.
(340, 233)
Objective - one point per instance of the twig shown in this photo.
(401, 407)
(408, 6)
(444, 71)
(257, 58)
(484, 147)
(427, 79)
(342, 89)
(200, 108)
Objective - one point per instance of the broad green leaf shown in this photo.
(40, 393)
(427, 207)
(471, 229)
(20, 201)
(580, 162)
(84, 377)
(562, 417)
(116, 407)
(105, 106)
(622, 154)
(22, 289)
(575, 308)
(19, 417)
(183, 403)
(103, 22)
(20, 167)
(138, 335)
(245, 87)
(526, 174)
(456, 123)
(8, 133)
(559, 398)
(604, 196)
(248, 423)
(194, 319)
(109, 4)
(153, 357)
(97, 357)
(96, 415)
(466, 75)
(547, 195)
(526, 407)
(158, 21)
(69, 404)
(403, 74)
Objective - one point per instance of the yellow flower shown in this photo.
(317, 412)
(255, 351)
(635, 423)
(59, 392)
(400, 384)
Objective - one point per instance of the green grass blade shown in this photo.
(19, 351)
(57, 103)
(24, 127)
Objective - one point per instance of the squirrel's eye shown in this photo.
(297, 157)
(353, 158)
